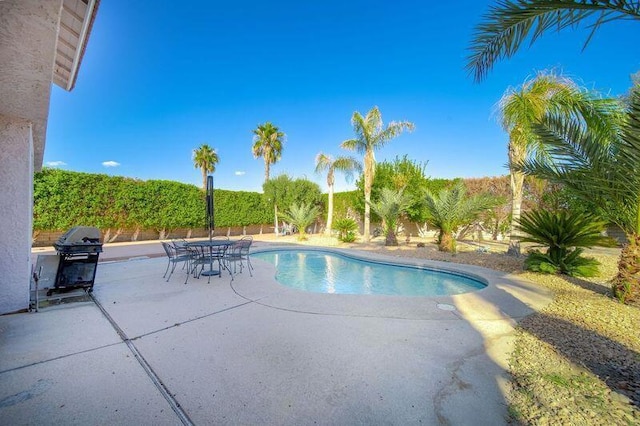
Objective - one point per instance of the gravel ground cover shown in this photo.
(576, 362)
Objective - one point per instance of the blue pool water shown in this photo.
(327, 272)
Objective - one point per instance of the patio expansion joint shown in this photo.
(198, 318)
(155, 379)
(44, 361)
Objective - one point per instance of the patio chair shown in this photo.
(181, 248)
(286, 229)
(238, 252)
(248, 238)
(201, 256)
(173, 258)
(180, 244)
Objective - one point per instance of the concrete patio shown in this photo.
(251, 351)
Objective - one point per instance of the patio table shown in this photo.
(216, 249)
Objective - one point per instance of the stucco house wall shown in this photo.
(27, 45)
(16, 175)
(30, 31)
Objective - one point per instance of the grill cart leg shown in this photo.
(34, 304)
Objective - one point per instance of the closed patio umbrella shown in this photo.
(210, 215)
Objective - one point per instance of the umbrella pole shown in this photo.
(210, 214)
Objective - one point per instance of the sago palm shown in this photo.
(371, 135)
(450, 209)
(347, 229)
(347, 165)
(268, 142)
(205, 158)
(520, 108)
(390, 206)
(301, 216)
(509, 24)
(564, 233)
(601, 166)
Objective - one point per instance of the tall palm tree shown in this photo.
(600, 165)
(205, 158)
(389, 207)
(520, 108)
(509, 23)
(451, 208)
(347, 165)
(370, 135)
(268, 142)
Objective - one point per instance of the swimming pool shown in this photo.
(330, 272)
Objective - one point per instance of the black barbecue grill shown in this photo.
(78, 250)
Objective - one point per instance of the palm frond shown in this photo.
(323, 162)
(347, 165)
(301, 215)
(509, 24)
(391, 204)
(392, 130)
(564, 234)
(359, 124)
(451, 208)
(205, 158)
(550, 94)
(564, 229)
(373, 122)
(598, 166)
(268, 142)
(350, 144)
(630, 141)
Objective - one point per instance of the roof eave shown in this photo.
(61, 79)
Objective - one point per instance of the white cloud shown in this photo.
(240, 173)
(56, 163)
(110, 163)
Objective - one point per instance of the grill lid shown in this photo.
(79, 235)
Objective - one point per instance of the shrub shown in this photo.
(301, 216)
(573, 264)
(389, 207)
(564, 233)
(346, 228)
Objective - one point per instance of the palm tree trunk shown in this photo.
(367, 216)
(626, 284)
(447, 242)
(516, 155)
(517, 183)
(275, 215)
(369, 170)
(391, 238)
(266, 170)
(204, 178)
(327, 230)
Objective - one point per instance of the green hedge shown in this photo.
(240, 208)
(342, 203)
(63, 199)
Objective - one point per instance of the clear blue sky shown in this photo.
(160, 78)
